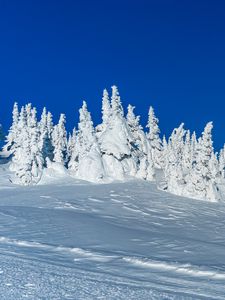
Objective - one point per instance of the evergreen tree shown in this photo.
(117, 142)
(46, 135)
(201, 181)
(141, 148)
(222, 162)
(106, 114)
(59, 140)
(27, 161)
(106, 108)
(154, 139)
(50, 126)
(86, 161)
(173, 169)
(71, 144)
(116, 104)
(164, 152)
(187, 159)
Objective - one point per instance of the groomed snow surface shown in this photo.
(69, 239)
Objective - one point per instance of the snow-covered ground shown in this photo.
(70, 239)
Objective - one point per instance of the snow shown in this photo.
(69, 239)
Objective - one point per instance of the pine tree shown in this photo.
(141, 148)
(106, 114)
(137, 145)
(154, 138)
(35, 151)
(150, 166)
(45, 128)
(116, 104)
(187, 153)
(222, 162)
(214, 167)
(201, 181)
(59, 141)
(27, 161)
(86, 160)
(71, 144)
(50, 126)
(106, 108)
(117, 142)
(164, 152)
(173, 169)
(132, 120)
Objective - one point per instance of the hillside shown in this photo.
(126, 240)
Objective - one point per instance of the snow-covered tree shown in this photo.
(222, 162)
(187, 159)
(106, 108)
(132, 120)
(27, 161)
(214, 167)
(86, 161)
(10, 138)
(71, 144)
(117, 108)
(50, 126)
(154, 138)
(141, 147)
(106, 113)
(117, 142)
(164, 152)
(59, 140)
(173, 169)
(46, 128)
(201, 181)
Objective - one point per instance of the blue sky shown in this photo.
(169, 54)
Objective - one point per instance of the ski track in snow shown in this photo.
(113, 241)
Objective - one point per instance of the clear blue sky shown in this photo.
(165, 53)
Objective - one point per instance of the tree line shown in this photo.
(116, 149)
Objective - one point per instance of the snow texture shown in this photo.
(69, 239)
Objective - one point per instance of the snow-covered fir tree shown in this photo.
(117, 142)
(173, 169)
(222, 163)
(117, 108)
(214, 167)
(71, 144)
(27, 161)
(59, 141)
(187, 159)
(164, 152)
(106, 113)
(201, 182)
(46, 128)
(154, 138)
(86, 161)
(106, 108)
(142, 155)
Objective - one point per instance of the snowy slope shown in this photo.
(75, 240)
